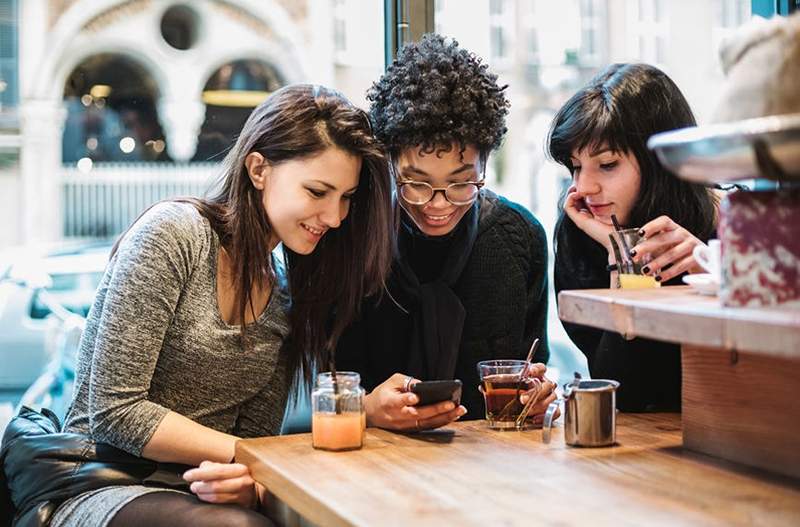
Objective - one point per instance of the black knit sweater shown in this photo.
(503, 289)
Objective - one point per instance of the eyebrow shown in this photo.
(594, 153)
(332, 187)
(463, 168)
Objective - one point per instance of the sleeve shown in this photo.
(147, 274)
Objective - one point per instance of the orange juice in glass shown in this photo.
(338, 421)
(630, 273)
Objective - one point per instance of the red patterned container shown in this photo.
(760, 235)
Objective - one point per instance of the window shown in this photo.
(501, 26)
(339, 26)
(592, 15)
(9, 83)
(650, 30)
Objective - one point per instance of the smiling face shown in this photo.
(608, 181)
(303, 198)
(438, 217)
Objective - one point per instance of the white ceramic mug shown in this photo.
(709, 257)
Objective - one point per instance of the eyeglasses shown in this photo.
(420, 193)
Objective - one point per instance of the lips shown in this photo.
(437, 220)
(315, 232)
(599, 208)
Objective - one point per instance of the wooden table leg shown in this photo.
(743, 407)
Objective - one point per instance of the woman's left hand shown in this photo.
(223, 483)
(670, 247)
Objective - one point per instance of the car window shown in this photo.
(74, 291)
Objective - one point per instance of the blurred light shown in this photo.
(85, 165)
(127, 144)
(86, 99)
(159, 145)
(3, 86)
(91, 143)
(236, 98)
(100, 103)
(99, 91)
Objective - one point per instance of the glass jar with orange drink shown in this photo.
(338, 420)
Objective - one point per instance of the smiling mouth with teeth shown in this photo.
(315, 232)
(438, 218)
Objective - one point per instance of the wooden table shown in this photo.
(470, 475)
(740, 366)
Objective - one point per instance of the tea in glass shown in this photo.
(501, 388)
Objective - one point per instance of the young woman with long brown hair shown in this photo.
(194, 339)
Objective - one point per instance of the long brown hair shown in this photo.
(350, 262)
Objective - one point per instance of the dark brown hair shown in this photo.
(350, 262)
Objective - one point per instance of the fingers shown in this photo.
(537, 369)
(655, 245)
(224, 486)
(676, 269)
(540, 407)
(220, 498)
(432, 410)
(662, 223)
(441, 419)
(679, 255)
(575, 207)
(210, 471)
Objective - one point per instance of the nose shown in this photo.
(586, 183)
(438, 200)
(333, 214)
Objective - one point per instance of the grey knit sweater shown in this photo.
(155, 342)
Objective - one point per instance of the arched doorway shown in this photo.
(230, 95)
(111, 113)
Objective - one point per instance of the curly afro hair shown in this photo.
(436, 94)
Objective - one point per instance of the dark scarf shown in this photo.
(438, 315)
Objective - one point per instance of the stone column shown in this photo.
(42, 125)
(181, 121)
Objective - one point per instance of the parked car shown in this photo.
(70, 277)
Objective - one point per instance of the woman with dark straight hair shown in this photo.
(184, 351)
(600, 135)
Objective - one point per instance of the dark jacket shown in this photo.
(649, 371)
(42, 468)
(487, 299)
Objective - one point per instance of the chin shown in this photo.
(300, 246)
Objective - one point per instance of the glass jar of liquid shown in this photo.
(338, 420)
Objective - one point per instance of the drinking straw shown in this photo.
(332, 367)
(522, 375)
(625, 248)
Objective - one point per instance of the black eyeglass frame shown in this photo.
(401, 183)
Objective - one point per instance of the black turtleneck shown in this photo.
(479, 293)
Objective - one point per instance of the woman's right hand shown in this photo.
(223, 483)
(390, 406)
(575, 207)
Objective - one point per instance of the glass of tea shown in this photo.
(501, 385)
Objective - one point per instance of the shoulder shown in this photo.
(173, 222)
(172, 227)
(502, 218)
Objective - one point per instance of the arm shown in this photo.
(149, 271)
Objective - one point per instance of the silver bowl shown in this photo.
(767, 147)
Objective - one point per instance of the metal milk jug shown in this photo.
(590, 412)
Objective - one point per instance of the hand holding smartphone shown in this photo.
(432, 392)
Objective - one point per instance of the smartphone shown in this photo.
(431, 392)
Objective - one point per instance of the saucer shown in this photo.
(703, 283)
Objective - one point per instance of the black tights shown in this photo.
(159, 509)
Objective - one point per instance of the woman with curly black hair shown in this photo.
(469, 280)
